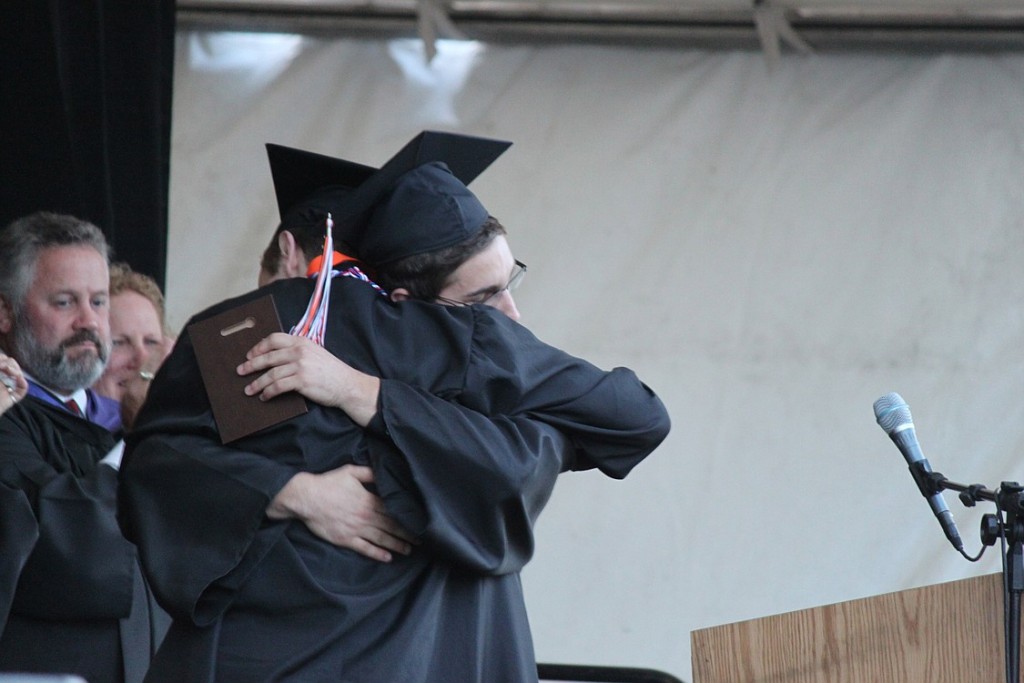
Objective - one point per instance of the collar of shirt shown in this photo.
(81, 397)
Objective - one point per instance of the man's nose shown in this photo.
(88, 317)
(506, 303)
(139, 354)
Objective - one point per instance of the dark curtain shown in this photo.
(85, 117)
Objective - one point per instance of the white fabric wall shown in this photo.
(770, 249)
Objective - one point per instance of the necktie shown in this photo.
(73, 407)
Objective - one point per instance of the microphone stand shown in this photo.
(1008, 499)
(1013, 576)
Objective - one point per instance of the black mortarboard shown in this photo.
(309, 185)
(383, 219)
(427, 208)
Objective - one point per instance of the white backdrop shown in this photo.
(770, 249)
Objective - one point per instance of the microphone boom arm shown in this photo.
(930, 483)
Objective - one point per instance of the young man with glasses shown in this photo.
(489, 296)
(478, 271)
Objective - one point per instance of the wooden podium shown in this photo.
(946, 633)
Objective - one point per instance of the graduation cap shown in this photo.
(416, 202)
(309, 185)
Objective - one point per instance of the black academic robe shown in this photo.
(476, 420)
(72, 597)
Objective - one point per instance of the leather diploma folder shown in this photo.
(220, 344)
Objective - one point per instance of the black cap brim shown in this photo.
(300, 175)
(466, 156)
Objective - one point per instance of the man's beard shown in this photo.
(52, 367)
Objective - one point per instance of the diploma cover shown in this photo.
(220, 344)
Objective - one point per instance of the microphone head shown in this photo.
(892, 413)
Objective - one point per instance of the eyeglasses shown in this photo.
(514, 280)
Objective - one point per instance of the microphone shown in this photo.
(893, 415)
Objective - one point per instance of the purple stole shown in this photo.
(101, 410)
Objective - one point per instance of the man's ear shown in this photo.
(6, 316)
(400, 294)
(293, 261)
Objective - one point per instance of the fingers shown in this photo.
(277, 340)
(395, 537)
(12, 379)
(282, 374)
(382, 530)
(365, 537)
(266, 359)
(9, 367)
(7, 392)
(362, 473)
(388, 542)
(357, 519)
(384, 533)
(269, 384)
(279, 355)
(300, 366)
(7, 399)
(371, 551)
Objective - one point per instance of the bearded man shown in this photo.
(72, 599)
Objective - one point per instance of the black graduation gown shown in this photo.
(476, 419)
(72, 598)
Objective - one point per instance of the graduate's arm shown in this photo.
(337, 507)
(172, 487)
(196, 510)
(613, 419)
(61, 547)
(177, 478)
(485, 460)
(284, 362)
(482, 479)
